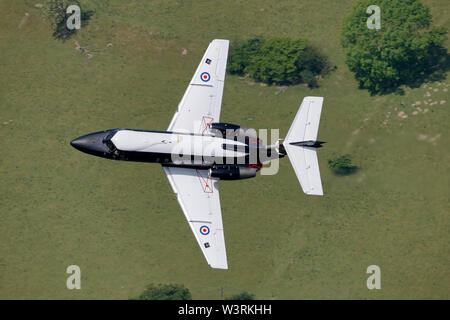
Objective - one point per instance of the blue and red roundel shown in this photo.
(204, 230)
(205, 76)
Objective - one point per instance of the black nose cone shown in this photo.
(92, 143)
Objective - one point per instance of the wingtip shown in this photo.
(224, 266)
(221, 40)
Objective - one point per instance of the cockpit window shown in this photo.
(107, 141)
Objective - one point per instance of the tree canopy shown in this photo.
(277, 60)
(405, 50)
(165, 292)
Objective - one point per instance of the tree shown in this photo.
(242, 296)
(277, 61)
(165, 292)
(54, 11)
(342, 165)
(240, 55)
(404, 51)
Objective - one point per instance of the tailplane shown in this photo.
(301, 144)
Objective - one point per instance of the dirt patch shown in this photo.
(422, 137)
(82, 49)
(24, 20)
(280, 89)
(402, 115)
(433, 140)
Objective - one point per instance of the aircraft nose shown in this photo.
(92, 143)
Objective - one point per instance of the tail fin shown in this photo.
(300, 145)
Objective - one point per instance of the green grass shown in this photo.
(120, 221)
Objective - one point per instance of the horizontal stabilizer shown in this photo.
(300, 145)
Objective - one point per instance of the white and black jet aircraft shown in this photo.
(197, 150)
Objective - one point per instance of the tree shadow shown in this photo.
(62, 33)
(346, 171)
(342, 165)
(433, 70)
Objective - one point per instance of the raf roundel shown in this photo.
(204, 230)
(205, 76)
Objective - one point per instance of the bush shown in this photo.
(165, 292)
(242, 296)
(405, 51)
(342, 165)
(278, 60)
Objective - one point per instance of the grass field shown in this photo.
(121, 223)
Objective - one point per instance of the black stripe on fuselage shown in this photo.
(188, 161)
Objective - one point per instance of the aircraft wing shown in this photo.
(201, 103)
(198, 196)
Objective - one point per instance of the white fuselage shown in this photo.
(183, 148)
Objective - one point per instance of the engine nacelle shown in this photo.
(232, 172)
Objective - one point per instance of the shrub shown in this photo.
(242, 296)
(342, 165)
(165, 292)
(278, 60)
(404, 51)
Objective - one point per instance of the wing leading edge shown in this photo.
(198, 196)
